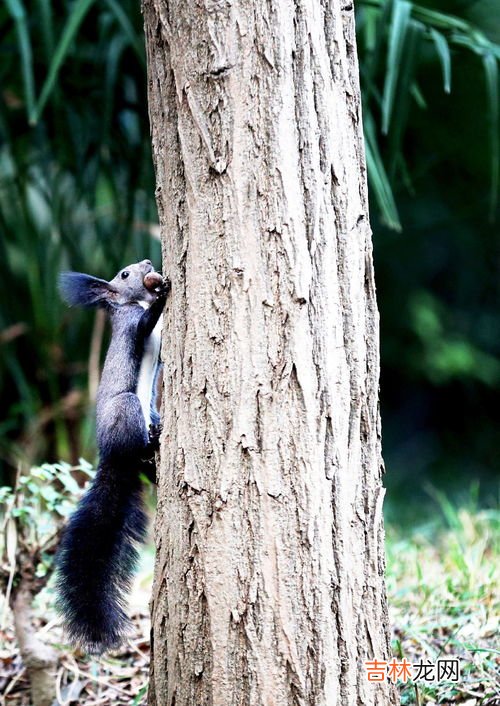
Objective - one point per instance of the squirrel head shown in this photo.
(127, 287)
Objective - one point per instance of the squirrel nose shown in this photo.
(148, 263)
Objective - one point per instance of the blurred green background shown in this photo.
(77, 191)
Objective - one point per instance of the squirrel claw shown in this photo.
(164, 288)
(154, 436)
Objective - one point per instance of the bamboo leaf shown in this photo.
(491, 71)
(418, 96)
(477, 44)
(378, 178)
(443, 52)
(18, 14)
(442, 20)
(407, 64)
(127, 28)
(47, 26)
(400, 18)
(78, 13)
(115, 51)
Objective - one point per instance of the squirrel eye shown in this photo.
(125, 274)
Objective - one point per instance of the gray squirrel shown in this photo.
(97, 554)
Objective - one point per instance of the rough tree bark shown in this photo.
(269, 582)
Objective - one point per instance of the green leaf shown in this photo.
(491, 71)
(441, 20)
(418, 96)
(23, 512)
(407, 68)
(69, 484)
(140, 695)
(443, 52)
(5, 494)
(369, 27)
(18, 14)
(114, 55)
(79, 10)
(400, 18)
(476, 41)
(49, 494)
(377, 176)
(41, 570)
(65, 508)
(127, 28)
(47, 28)
(86, 467)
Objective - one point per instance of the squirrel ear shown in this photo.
(78, 289)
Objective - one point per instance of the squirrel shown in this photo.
(97, 554)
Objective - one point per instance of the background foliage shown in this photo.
(77, 190)
(430, 90)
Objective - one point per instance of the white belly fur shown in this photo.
(147, 371)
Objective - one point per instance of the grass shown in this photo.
(442, 582)
(443, 590)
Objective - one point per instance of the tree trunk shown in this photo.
(269, 583)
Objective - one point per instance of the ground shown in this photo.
(443, 589)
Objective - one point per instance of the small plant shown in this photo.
(34, 513)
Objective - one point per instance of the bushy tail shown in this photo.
(97, 558)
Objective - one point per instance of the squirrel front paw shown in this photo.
(164, 288)
(154, 433)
